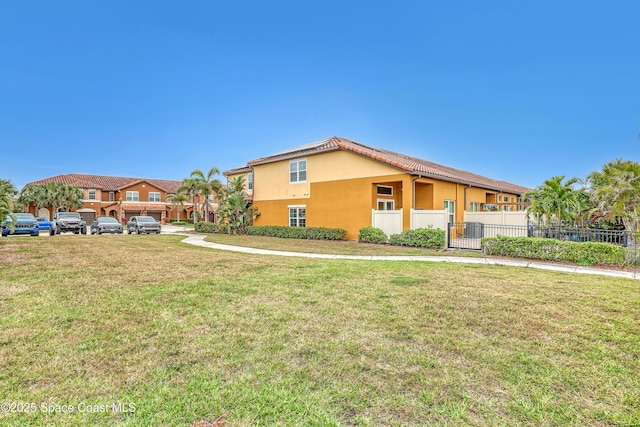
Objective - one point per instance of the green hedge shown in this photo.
(421, 238)
(372, 235)
(312, 233)
(207, 227)
(582, 253)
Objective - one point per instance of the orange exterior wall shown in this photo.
(340, 192)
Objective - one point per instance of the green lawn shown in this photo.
(340, 247)
(191, 336)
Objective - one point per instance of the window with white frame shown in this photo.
(112, 196)
(450, 207)
(386, 205)
(250, 182)
(297, 216)
(92, 194)
(474, 206)
(384, 190)
(154, 196)
(298, 170)
(133, 196)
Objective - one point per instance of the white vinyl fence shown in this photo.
(497, 218)
(428, 219)
(388, 221)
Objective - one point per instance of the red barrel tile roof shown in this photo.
(409, 164)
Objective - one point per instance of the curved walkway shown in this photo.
(198, 240)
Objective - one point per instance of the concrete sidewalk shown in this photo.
(198, 240)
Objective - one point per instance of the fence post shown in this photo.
(448, 235)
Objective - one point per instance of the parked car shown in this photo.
(43, 223)
(106, 224)
(25, 223)
(143, 224)
(67, 221)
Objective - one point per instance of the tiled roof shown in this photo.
(403, 162)
(108, 183)
(236, 171)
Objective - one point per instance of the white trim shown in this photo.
(126, 196)
(385, 201)
(296, 206)
(384, 186)
(299, 181)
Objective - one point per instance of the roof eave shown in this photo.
(465, 182)
(293, 155)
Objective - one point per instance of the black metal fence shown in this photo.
(467, 235)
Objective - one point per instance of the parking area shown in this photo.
(166, 229)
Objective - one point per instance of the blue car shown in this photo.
(43, 223)
(25, 224)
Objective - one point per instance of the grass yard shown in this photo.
(338, 247)
(194, 337)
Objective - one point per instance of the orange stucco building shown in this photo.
(337, 182)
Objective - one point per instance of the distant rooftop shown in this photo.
(108, 183)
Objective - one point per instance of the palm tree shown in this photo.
(7, 202)
(36, 194)
(556, 200)
(615, 190)
(235, 208)
(190, 187)
(206, 185)
(177, 200)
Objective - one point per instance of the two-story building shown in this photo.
(337, 182)
(121, 197)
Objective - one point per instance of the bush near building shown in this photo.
(372, 235)
(582, 253)
(420, 238)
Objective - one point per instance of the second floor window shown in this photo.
(133, 196)
(298, 170)
(474, 206)
(112, 196)
(92, 194)
(154, 196)
(250, 181)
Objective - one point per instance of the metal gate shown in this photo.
(465, 235)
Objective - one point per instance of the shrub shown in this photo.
(372, 235)
(420, 238)
(207, 227)
(176, 222)
(582, 253)
(312, 233)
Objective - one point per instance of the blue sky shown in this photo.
(519, 91)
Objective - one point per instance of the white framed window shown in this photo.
(133, 196)
(92, 194)
(450, 207)
(474, 206)
(211, 198)
(298, 216)
(384, 190)
(250, 182)
(298, 170)
(112, 196)
(154, 196)
(386, 205)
